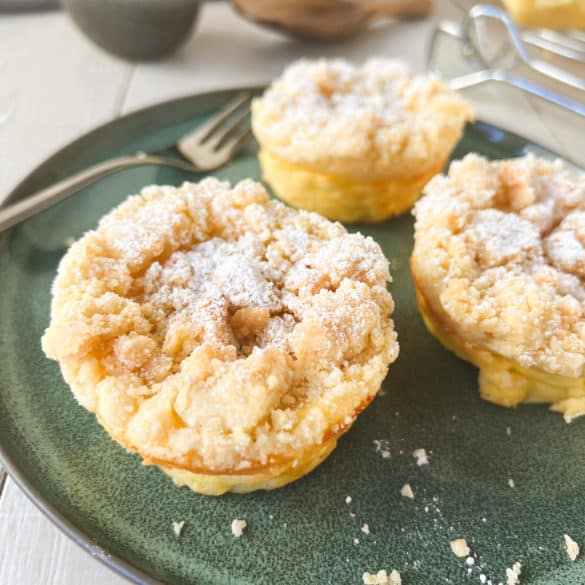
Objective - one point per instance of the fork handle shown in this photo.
(45, 198)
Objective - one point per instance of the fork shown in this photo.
(206, 148)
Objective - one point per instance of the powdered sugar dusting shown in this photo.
(565, 245)
(215, 322)
(339, 114)
(502, 238)
(502, 244)
(331, 92)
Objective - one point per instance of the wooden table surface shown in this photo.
(55, 85)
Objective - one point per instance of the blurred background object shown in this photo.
(557, 14)
(143, 30)
(495, 51)
(27, 5)
(137, 30)
(327, 19)
(568, 44)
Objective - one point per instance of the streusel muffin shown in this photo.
(224, 337)
(356, 144)
(499, 269)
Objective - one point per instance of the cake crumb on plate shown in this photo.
(421, 457)
(382, 446)
(238, 527)
(513, 574)
(382, 578)
(572, 547)
(460, 547)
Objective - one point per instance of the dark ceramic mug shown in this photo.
(137, 30)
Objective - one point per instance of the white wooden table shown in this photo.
(55, 85)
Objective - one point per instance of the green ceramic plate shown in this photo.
(304, 534)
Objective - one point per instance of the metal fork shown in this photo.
(208, 147)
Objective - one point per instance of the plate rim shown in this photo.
(112, 561)
(109, 559)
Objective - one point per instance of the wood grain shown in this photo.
(34, 552)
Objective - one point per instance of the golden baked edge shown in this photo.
(276, 473)
(341, 198)
(503, 381)
(101, 273)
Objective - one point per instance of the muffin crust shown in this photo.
(499, 266)
(215, 331)
(372, 123)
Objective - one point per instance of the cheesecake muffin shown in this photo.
(356, 144)
(226, 338)
(499, 271)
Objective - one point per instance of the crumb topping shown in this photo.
(211, 328)
(374, 121)
(500, 251)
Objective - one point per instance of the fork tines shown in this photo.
(219, 137)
